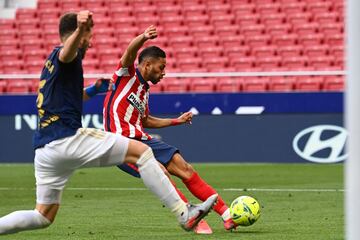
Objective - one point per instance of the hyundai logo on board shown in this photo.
(321, 144)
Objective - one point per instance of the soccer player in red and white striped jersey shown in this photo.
(126, 112)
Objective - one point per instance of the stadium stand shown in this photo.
(198, 36)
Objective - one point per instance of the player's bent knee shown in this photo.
(136, 151)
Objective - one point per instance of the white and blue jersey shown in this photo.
(60, 99)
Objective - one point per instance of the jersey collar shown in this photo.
(141, 79)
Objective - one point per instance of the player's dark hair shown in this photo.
(153, 52)
(68, 24)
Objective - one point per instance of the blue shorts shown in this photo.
(163, 153)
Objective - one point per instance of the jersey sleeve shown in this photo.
(125, 71)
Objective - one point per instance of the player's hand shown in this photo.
(104, 84)
(150, 32)
(185, 118)
(84, 19)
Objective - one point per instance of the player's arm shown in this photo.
(101, 85)
(69, 52)
(154, 122)
(128, 58)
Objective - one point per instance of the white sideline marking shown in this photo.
(224, 189)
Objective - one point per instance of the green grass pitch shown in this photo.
(299, 201)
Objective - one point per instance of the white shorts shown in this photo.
(57, 160)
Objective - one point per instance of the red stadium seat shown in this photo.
(337, 51)
(18, 86)
(221, 20)
(311, 39)
(178, 85)
(290, 8)
(48, 13)
(326, 17)
(227, 30)
(185, 52)
(176, 31)
(319, 7)
(47, 4)
(170, 10)
(331, 28)
(157, 88)
(237, 51)
(290, 51)
(27, 24)
(3, 85)
(243, 63)
(215, 63)
(11, 55)
(268, 8)
(93, 4)
(335, 40)
(279, 29)
(246, 20)
(201, 31)
(263, 51)
(210, 52)
(308, 84)
(188, 64)
(109, 65)
(194, 10)
(306, 29)
(209, 41)
(299, 18)
(31, 45)
(181, 41)
(172, 21)
(334, 83)
(8, 45)
(229, 85)
(292, 63)
(207, 85)
(268, 63)
(243, 9)
(26, 13)
(35, 55)
(255, 84)
(103, 43)
(31, 34)
(253, 30)
(34, 66)
(34, 85)
(273, 19)
(8, 35)
(12, 66)
(7, 24)
(282, 84)
(66, 5)
(230, 41)
(202, 20)
(316, 50)
(285, 40)
(257, 40)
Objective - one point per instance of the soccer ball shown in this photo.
(245, 210)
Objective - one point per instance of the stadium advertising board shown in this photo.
(286, 127)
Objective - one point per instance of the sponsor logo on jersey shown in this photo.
(136, 103)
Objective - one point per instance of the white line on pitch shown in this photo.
(224, 189)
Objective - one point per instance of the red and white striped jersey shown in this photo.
(127, 104)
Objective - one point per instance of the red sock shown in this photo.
(200, 189)
(182, 196)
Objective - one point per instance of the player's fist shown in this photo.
(84, 20)
(186, 118)
(150, 32)
(104, 84)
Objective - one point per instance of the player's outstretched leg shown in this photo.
(157, 182)
(199, 187)
(198, 212)
(21, 221)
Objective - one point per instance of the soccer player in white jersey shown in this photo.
(62, 145)
(126, 112)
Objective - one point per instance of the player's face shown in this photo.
(156, 70)
(85, 42)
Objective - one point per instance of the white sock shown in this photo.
(21, 221)
(157, 182)
(226, 215)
